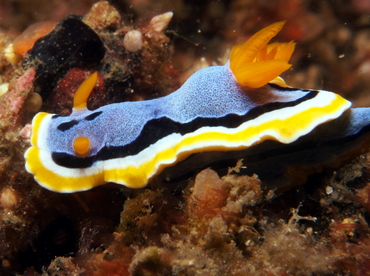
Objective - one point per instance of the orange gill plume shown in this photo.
(255, 63)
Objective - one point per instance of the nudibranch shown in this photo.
(226, 110)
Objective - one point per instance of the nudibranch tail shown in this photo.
(256, 63)
(83, 92)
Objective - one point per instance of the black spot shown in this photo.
(93, 116)
(68, 125)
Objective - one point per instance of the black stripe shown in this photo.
(278, 87)
(67, 125)
(92, 116)
(157, 129)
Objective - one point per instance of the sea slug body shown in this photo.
(226, 108)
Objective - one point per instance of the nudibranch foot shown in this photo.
(240, 110)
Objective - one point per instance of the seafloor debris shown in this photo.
(210, 225)
(24, 42)
(72, 44)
